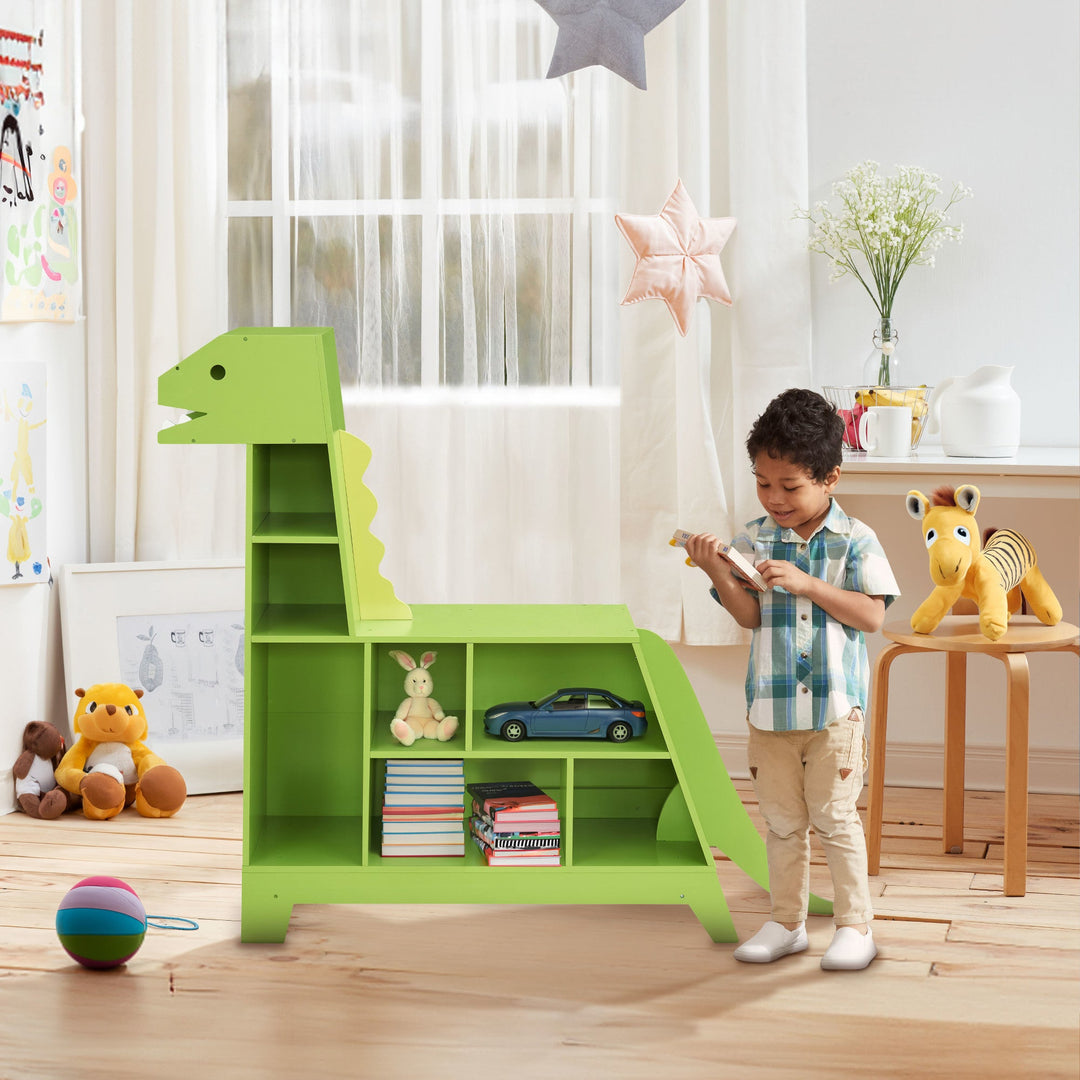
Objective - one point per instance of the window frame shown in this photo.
(593, 330)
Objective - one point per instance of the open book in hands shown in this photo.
(738, 561)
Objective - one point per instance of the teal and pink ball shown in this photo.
(101, 922)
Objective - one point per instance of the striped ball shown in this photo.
(101, 922)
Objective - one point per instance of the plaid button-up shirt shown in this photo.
(806, 668)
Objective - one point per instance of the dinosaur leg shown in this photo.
(1041, 597)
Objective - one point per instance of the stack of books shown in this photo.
(423, 807)
(514, 823)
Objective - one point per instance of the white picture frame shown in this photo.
(98, 606)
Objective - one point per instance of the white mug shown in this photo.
(885, 430)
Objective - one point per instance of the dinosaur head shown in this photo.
(256, 385)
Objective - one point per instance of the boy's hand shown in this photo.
(740, 601)
(786, 575)
(707, 551)
(704, 551)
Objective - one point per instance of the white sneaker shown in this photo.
(850, 950)
(771, 942)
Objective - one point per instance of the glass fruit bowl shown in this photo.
(852, 401)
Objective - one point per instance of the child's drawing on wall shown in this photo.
(16, 163)
(19, 548)
(185, 663)
(43, 254)
(22, 461)
(39, 278)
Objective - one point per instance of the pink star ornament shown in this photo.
(678, 256)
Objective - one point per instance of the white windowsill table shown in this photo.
(1039, 472)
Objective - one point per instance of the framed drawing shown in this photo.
(175, 630)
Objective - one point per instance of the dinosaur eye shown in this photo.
(129, 710)
(962, 534)
(91, 707)
(931, 536)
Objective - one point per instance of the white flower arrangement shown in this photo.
(891, 222)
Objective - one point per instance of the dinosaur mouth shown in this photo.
(180, 430)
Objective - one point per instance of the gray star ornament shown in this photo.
(610, 33)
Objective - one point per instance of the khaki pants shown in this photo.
(813, 778)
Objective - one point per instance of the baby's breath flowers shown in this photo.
(884, 225)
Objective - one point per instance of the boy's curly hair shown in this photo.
(803, 427)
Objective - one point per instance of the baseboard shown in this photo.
(7, 791)
(1050, 771)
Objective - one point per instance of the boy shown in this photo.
(806, 686)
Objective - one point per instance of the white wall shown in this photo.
(32, 654)
(986, 92)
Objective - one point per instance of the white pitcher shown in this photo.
(978, 415)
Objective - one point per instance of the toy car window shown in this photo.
(571, 701)
(596, 701)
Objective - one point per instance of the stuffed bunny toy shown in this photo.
(419, 715)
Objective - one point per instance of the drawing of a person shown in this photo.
(22, 468)
(18, 546)
(61, 260)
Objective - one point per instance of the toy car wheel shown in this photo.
(619, 731)
(513, 731)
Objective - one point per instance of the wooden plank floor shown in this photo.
(968, 983)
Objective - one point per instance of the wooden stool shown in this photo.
(956, 636)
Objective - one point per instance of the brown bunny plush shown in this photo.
(36, 790)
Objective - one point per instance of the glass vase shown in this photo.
(882, 366)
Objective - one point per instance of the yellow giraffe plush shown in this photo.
(993, 576)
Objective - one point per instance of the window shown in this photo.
(402, 171)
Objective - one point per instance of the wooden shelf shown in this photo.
(296, 528)
(613, 843)
(649, 745)
(301, 622)
(308, 841)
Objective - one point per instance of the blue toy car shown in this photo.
(571, 713)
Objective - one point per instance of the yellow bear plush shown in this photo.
(110, 766)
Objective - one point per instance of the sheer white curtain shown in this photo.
(155, 276)
(726, 113)
(433, 168)
(452, 223)
(453, 220)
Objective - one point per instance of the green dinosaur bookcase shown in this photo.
(637, 818)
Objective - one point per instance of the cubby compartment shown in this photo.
(617, 810)
(529, 672)
(449, 676)
(552, 775)
(291, 493)
(305, 781)
(297, 590)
